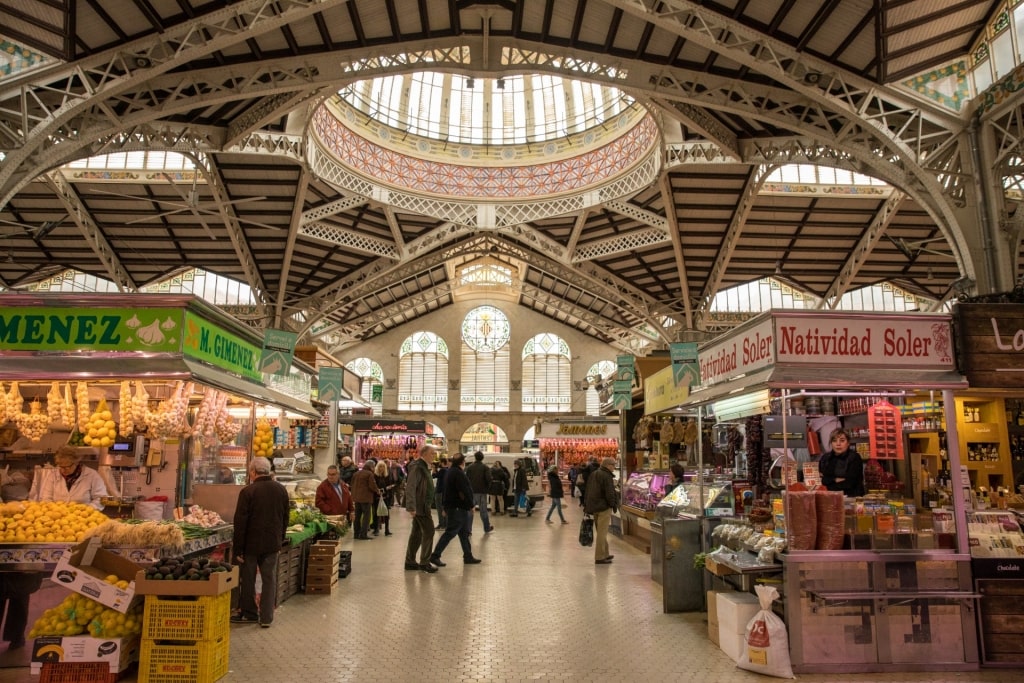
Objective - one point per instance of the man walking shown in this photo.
(261, 519)
(458, 505)
(479, 476)
(364, 488)
(601, 501)
(419, 501)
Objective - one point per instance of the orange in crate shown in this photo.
(77, 672)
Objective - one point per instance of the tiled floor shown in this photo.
(537, 608)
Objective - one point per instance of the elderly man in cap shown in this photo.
(601, 500)
(261, 519)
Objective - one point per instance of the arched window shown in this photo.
(372, 386)
(423, 373)
(485, 360)
(547, 384)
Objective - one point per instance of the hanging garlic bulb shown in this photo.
(124, 408)
(82, 396)
(33, 424)
(140, 405)
(14, 402)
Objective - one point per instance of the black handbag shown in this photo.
(587, 531)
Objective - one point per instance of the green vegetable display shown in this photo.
(305, 516)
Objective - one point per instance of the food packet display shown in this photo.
(829, 507)
(801, 520)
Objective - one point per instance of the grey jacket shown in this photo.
(419, 488)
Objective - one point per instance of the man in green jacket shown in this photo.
(419, 501)
(601, 500)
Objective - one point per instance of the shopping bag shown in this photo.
(587, 531)
(766, 645)
(382, 508)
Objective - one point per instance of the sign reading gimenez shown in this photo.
(55, 329)
(208, 342)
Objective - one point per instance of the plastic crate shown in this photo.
(77, 672)
(204, 617)
(202, 661)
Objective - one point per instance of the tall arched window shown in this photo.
(485, 360)
(547, 383)
(372, 385)
(423, 373)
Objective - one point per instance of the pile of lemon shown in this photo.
(47, 522)
(263, 440)
(101, 430)
(78, 614)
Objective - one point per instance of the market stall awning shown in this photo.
(826, 379)
(243, 387)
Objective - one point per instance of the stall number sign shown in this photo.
(43, 329)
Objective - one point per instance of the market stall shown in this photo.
(157, 394)
(990, 350)
(901, 574)
(386, 438)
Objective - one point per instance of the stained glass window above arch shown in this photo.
(602, 369)
(485, 328)
(546, 344)
(424, 342)
(486, 274)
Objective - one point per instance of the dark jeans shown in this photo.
(15, 590)
(457, 526)
(363, 511)
(421, 537)
(267, 564)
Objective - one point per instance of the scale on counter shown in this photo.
(129, 453)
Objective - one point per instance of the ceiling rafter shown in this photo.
(90, 81)
(668, 199)
(215, 182)
(92, 233)
(869, 238)
(747, 197)
(302, 187)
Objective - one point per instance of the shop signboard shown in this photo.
(661, 392)
(918, 342)
(586, 430)
(55, 329)
(990, 344)
(381, 425)
(748, 349)
(208, 342)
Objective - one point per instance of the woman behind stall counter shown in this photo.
(842, 468)
(71, 481)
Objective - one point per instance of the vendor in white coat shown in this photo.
(72, 482)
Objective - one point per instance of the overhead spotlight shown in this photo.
(812, 78)
(501, 84)
(143, 62)
(470, 82)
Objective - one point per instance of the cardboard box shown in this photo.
(316, 570)
(735, 610)
(119, 653)
(219, 582)
(717, 568)
(733, 644)
(85, 569)
(324, 548)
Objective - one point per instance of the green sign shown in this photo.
(685, 369)
(278, 351)
(45, 328)
(377, 393)
(205, 341)
(329, 384)
(623, 396)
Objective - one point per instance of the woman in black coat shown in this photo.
(842, 468)
(555, 491)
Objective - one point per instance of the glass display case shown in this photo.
(643, 490)
(685, 501)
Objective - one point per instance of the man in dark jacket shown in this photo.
(347, 470)
(479, 476)
(458, 505)
(419, 501)
(333, 496)
(500, 474)
(261, 519)
(364, 488)
(601, 500)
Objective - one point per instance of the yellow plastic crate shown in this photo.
(203, 661)
(202, 617)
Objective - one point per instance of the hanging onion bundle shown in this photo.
(33, 424)
(124, 405)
